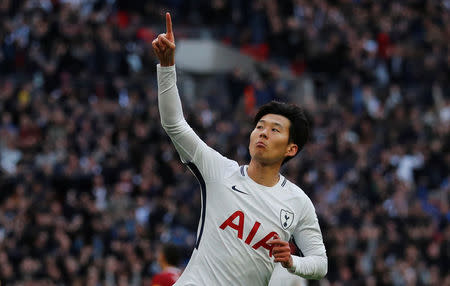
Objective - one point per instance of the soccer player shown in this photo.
(248, 212)
(168, 260)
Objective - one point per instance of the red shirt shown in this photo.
(167, 277)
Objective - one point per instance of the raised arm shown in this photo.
(190, 147)
(169, 103)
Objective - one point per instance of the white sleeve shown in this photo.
(190, 147)
(308, 237)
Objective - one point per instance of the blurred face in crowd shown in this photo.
(269, 141)
(160, 258)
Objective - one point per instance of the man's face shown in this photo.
(269, 141)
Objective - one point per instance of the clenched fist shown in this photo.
(281, 252)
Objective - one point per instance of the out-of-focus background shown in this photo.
(90, 186)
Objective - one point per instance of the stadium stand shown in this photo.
(90, 186)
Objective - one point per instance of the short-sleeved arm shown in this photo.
(308, 237)
(190, 147)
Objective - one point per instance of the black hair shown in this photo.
(171, 253)
(299, 129)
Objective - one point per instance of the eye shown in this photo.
(259, 127)
(275, 130)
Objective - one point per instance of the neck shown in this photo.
(266, 175)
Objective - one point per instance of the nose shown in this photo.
(263, 133)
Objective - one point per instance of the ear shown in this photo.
(292, 149)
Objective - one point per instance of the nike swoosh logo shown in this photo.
(235, 189)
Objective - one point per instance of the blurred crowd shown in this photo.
(90, 186)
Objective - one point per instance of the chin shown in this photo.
(262, 160)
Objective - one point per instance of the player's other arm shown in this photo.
(314, 264)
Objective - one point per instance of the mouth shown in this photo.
(260, 144)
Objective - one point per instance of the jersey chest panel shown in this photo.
(246, 216)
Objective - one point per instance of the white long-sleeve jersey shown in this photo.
(238, 215)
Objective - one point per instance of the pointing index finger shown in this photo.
(168, 23)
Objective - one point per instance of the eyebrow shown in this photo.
(274, 123)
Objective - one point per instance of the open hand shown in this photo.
(164, 45)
